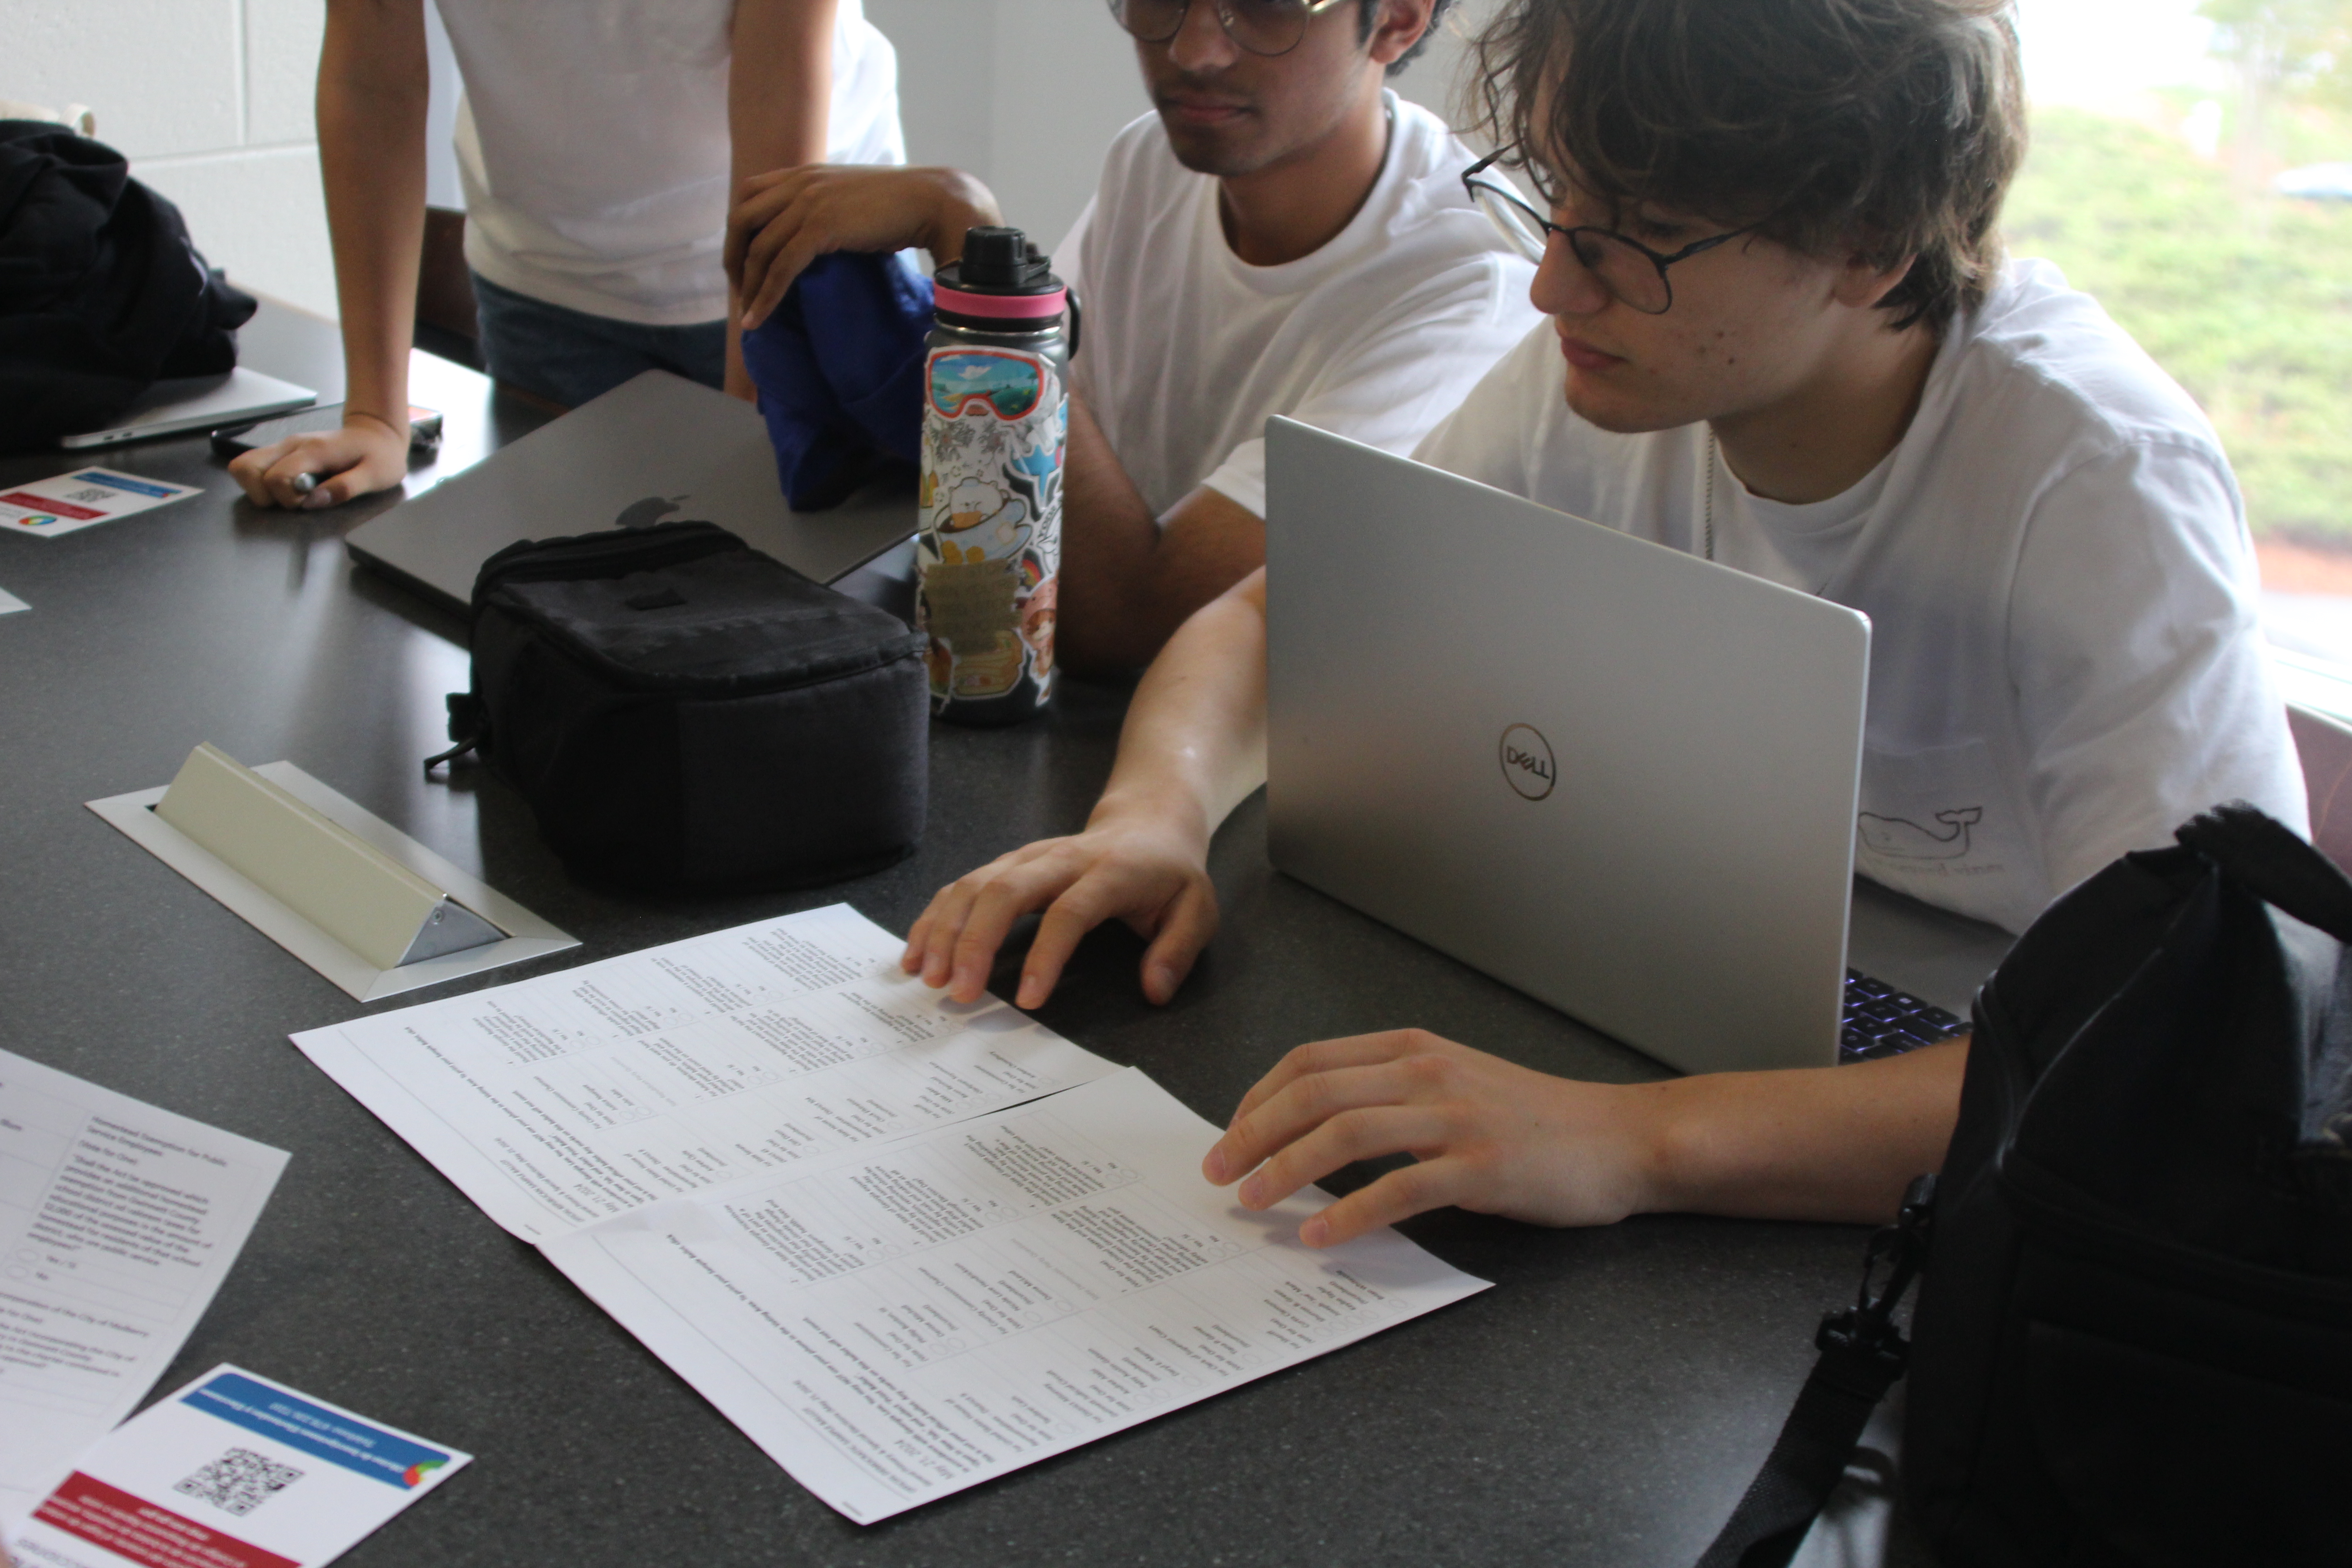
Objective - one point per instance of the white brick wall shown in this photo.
(211, 102)
(211, 99)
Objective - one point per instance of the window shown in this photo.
(2191, 167)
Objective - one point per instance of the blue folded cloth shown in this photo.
(839, 365)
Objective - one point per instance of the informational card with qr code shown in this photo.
(51, 507)
(233, 1471)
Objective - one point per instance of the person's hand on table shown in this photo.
(1488, 1135)
(1139, 867)
(363, 456)
(785, 220)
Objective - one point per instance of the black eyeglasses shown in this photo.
(1629, 269)
(1261, 27)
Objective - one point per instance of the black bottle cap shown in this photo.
(999, 261)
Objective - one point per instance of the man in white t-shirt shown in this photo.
(598, 145)
(1283, 235)
(2063, 658)
(1781, 334)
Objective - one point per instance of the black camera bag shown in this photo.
(2134, 1342)
(681, 711)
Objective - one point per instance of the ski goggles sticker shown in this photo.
(1009, 385)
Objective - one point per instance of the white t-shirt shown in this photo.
(2064, 659)
(1187, 350)
(593, 145)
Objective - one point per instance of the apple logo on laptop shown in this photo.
(650, 510)
(1528, 764)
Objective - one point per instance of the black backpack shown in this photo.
(2133, 1340)
(682, 711)
(101, 294)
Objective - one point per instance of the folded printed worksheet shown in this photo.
(117, 1221)
(893, 1324)
(562, 1100)
(904, 1243)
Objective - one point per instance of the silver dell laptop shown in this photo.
(1616, 776)
(656, 448)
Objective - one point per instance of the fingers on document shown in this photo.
(1328, 1056)
(1333, 1103)
(1322, 1114)
(1396, 1196)
(1189, 922)
(954, 941)
(1179, 921)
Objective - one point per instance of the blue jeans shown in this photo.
(569, 356)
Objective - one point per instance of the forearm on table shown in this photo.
(373, 86)
(1130, 580)
(1819, 1144)
(1193, 745)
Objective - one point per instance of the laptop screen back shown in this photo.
(657, 447)
(1612, 775)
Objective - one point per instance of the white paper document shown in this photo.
(117, 1221)
(10, 603)
(85, 496)
(897, 1324)
(233, 1471)
(562, 1100)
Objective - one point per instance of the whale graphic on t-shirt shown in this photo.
(1902, 840)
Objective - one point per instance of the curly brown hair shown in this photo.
(1886, 128)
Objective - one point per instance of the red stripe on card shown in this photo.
(43, 503)
(133, 1527)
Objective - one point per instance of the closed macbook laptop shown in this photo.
(654, 448)
(175, 406)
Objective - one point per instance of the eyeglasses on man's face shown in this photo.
(1261, 27)
(1630, 270)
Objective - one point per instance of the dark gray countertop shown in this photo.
(1605, 1404)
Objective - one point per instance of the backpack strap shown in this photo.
(2274, 863)
(1863, 1353)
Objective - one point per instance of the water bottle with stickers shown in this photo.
(988, 554)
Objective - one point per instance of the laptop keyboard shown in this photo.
(1881, 1021)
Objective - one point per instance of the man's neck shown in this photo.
(1826, 439)
(1299, 204)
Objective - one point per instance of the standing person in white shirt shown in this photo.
(1780, 334)
(598, 143)
(1283, 235)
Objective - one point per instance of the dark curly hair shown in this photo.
(1367, 17)
(1884, 128)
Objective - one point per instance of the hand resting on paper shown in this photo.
(1144, 869)
(1193, 747)
(363, 456)
(1826, 1143)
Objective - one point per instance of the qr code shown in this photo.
(240, 1481)
(96, 492)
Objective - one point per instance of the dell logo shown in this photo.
(1528, 764)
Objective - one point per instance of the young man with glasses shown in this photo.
(1781, 336)
(1284, 236)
